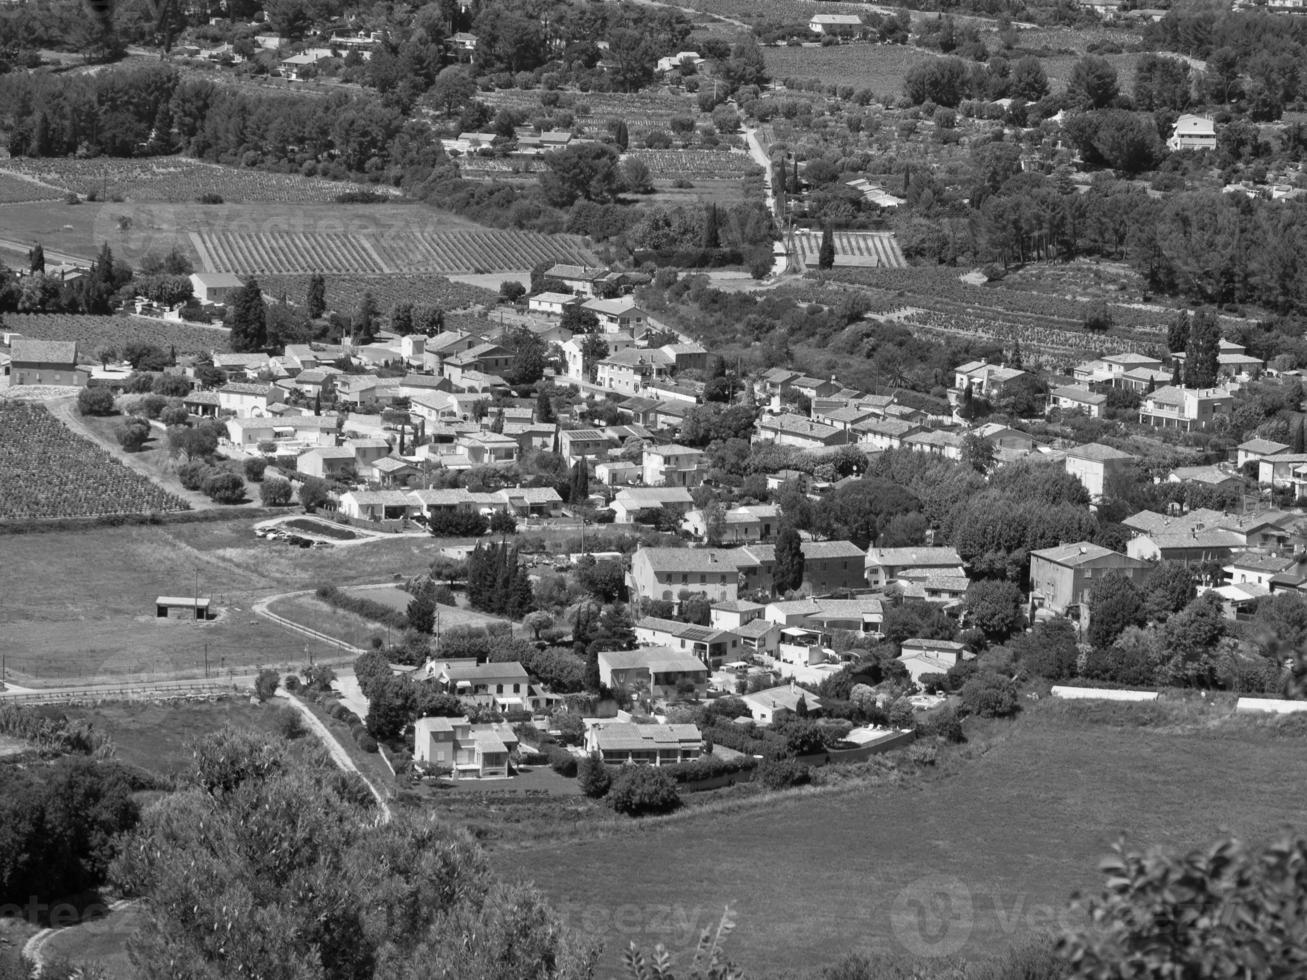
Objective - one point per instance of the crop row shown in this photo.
(178, 179)
(96, 333)
(16, 190)
(868, 249)
(706, 163)
(46, 471)
(345, 291)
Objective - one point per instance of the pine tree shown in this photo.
(248, 319)
(711, 234)
(826, 253)
(788, 574)
(317, 297)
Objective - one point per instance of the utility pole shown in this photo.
(206, 660)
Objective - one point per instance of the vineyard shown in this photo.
(48, 472)
(15, 190)
(701, 164)
(643, 112)
(867, 249)
(878, 67)
(343, 292)
(95, 333)
(398, 252)
(178, 180)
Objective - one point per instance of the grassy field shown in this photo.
(79, 605)
(1011, 835)
(879, 67)
(396, 598)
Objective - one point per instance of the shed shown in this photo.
(181, 607)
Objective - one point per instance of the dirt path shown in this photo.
(780, 257)
(336, 750)
(260, 608)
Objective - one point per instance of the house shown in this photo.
(617, 315)
(1186, 540)
(1192, 132)
(814, 388)
(390, 472)
(288, 433)
(550, 304)
(1062, 577)
(922, 657)
(660, 671)
(733, 614)
(530, 501)
(630, 501)
(884, 565)
(629, 370)
(247, 366)
(1073, 398)
(1259, 570)
(215, 288)
(465, 749)
(617, 473)
(1208, 476)
(1256, 450)
(181, 607)
(758, 637)
(376, 505)
(686, 357)
(683, 62)
(619, 743)
(579, 279)
(1173, 407)
(673, 465)
(860, 614)
(835, 25)
(936, 442)
(1143, 380)
(500, 685)
(248, 398)
(739, 525)
(676, 390)
(45, 362)
(795, 430)
(828, 566)
(1094, 465)
(575, 444)
(463, 43)
(767, 705)
(1280, 469)
(328, 463)
(711, 645)
(884, 433)
(482, 358)
(662, 573)
(984, 379)
(445, 344)
(1009, 444)
(488, 448)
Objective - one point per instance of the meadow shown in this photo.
(1009, 830)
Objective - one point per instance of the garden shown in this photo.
(46, 471)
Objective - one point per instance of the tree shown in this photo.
(392, 706)
(1177, 332)
(788, 573)
(224, 488)
(95, 401)
(453, 89)
(248, 319)
(593, 777)
(1202, 353)
(579, 482)
(994, 608)
(1167, 589)
(642, 790)
(588, 171)
(36, 259)
(621, 135)
(544, 406)
(133, 433)
(977, 452)
(1027, 80)
(266, 683)
(316, 301)
(1114, 604)
(990, 694)
(1093, 83)
(826, 251)
(421, 611)
(275, 492)
(364, 323)
(711, 234)
(313, 493)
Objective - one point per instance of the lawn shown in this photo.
(1010, 836)
(80, 604)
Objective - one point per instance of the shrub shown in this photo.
(291, 682)
(360, 606)
(990, 695)
(265, 683)
(366, 742)
(289, 723)
(174, 415)
(275, 492)
(782, 773)
(193, 474)
(456, 524)
(132, 433)
(224, 488)
(642, 790)
(95, 401)
(562, 762)
(593, 777)
(254, 467)
(210, 198)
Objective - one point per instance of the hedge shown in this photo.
(754, 742)
(708, 767)
(367, 608)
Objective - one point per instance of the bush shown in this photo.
(224, 488)
(291, 682)
(593, 777)
(456, 524)
(562, 762)
(289, 723)
(210, 198)
(782, 773)
(193, 474)
(366, 742)
(946, 725)
(265, 684)
(275, 492)
(990, 695)
(95, 401)
(642, 790)
(359, 606)
(174, 415)
(254, 467)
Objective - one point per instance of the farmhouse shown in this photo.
(248, 398)
(212, 288)
(1172, 407)
(828, 566)
(661, 573)
(579, 279)
(836, 25)
(45, 362)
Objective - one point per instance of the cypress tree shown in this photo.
(36, 258)
(248, 319)
(317, 298)
(365, 319)
(1202, 354)
(711, 233)
(544, 405)
(788, 574)
(1177, 333)
(1300, 437)
(826, 254)
(621, 136)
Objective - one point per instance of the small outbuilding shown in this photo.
(181, 607)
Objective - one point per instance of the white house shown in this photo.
(550, 304)
(1193, 133)
(215, 287)
(838, 25)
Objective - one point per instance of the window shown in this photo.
(499, 688)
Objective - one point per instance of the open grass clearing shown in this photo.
(315, 614)
(396, 598)
(879, 67)
(1020, 827)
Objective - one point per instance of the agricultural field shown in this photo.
(179, 180)
(643, 112)
(1059, 68)
(866, 249)
(398, 252)
(48, 472)
(691, 164)
(878, 67)
(15, 189)
(95, 333)
(1015, 827)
